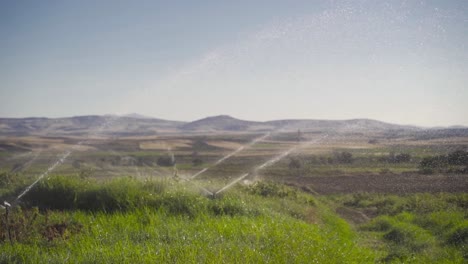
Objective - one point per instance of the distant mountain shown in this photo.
(337, 125)
(138, 125)
(224, 123)
(86, 125)
(136, 115)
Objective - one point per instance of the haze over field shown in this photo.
(401, 62)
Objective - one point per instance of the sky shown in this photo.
(402, 62)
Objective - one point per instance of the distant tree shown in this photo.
(454, 162)
(458, 157)
(165, 161)
(294, 163)
(396, 158)
(343, 157)
(197, 162)
(402, 157)
(432, 164)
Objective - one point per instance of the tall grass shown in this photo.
(418, 227)
(129, 221)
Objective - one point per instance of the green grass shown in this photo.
(417, 228)
(130, 221)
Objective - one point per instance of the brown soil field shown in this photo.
(392, 183)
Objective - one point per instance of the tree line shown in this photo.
(454, 162)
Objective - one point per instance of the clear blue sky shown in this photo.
(397, 61)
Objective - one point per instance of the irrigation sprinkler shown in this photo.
(7, 207)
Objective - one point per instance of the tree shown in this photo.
(402, 157)
(197, 162)
(458, 157)
(431, 164)
(343, 157)
(165, 161)
(294, 163)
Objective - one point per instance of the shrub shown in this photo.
(57, 192)
(458, 157)
(380, 224)
(411, 236)
(270, 189)
(459, 235)
(69, 193)
(295, 163)
(165, 161)
(228, 207)
(343, 157)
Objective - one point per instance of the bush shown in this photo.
(166, 161)
(343, 157)
(431, 164)
(295, 163)
(197, 162)
(453, 162)
(57, 192)
(459, 235)
(380, 224)
(411, 236)
(69, 193)
(458, 157)
(228, 207)
(270, 189)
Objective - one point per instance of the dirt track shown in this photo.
(398, 184)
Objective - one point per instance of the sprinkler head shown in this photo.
(6, 204)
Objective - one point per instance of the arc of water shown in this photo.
(269, 163)
(62, 159)
(51, 168)
(232, 183)
(253, 142)
(27, 164)
(287, 152)
(151, 168)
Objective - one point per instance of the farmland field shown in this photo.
(329, 198)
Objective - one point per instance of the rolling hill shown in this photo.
(137, 125)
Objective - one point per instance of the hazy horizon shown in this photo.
(235, 117)
(402, 62)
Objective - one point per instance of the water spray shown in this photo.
(60, 161)
(27, 164)
(287, 152)
(253, 142)
(232, 183)
(51, 168)
(267, 163)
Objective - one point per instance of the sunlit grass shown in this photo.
(170, 222)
